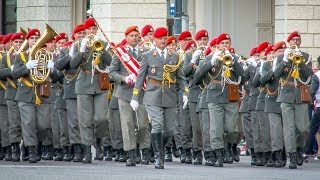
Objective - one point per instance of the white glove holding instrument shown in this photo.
(131, 79)
(71, 51)
(185, 101)
(83, 44)
(215, 56)
(286, 54)
(50, 64)
(195, 56)
(134, 105)
(12, 66)
(32, 64)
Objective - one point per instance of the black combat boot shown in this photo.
(183, 155)
(211, 158)
(33, 156)
(24, 153)
(168, 154)
(198, 158)
(175, 152)
(145, 156)
(299, 155)
(108, 153)
(219, 157)
(1, 152)
(59, 154)
(49, 154)
(117, 157)
(77, 153)
(123, 156)
(87, 155)
(131, 161)
(66, 153)
(278, 160)
(151, 154)
(42, 151)
(8, 153)
(253, 157)
(99, 150)
(188, 159)
(15, 152)
(157, 144)
(270, 159)
(284, 157)
(261, 159)
(228, 154)
(138, 155)
(293, 161)
(236, 152)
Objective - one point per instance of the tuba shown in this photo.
(41, 72)
(24, 45)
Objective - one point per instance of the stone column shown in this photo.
(302, 16)
(114, 16)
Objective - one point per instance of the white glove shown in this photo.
(286, 55)
(274, 64)
(71, 51)
(195, 56)
(12, 66)
(50, 64)
(215, 56)
(134, 105)
(83, 45)
(185, 101)
(32, 64)
(130, 80)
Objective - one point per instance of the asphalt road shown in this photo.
(100, 170)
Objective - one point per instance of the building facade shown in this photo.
(247, 21)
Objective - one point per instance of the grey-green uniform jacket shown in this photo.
(25, 93)
(84, 60)
(202, 104)
(248, 76)
(5, 72)
(69, 82)
(216, 93)
(152, 67)
(260, 105)
(289, 93)
(118, 71)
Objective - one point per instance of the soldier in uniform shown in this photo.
(34, 109)
(70, 76)
(271, 106)
(134, 124)
(6, 66)
(191, 61)
(294, 96)
(147, 35)
(222, 97)
(91, 99)
(246, 109)
(164, 73)
(4, 120)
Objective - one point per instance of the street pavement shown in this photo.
(100, 170)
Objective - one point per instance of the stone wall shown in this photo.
(302, 16)
(35, 13)
(114, 16)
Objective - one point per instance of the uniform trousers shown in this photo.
(115, 128)
(247, 127)
(73, 122)
(4, 126)
(261, 131)
(276, 131)
(14, 121)
(196, 127)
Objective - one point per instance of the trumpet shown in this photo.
(225, 57)
(203, 51)
(147, 44)
(295, 55)
(96, 44)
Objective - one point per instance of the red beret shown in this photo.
(1, 37)
(7, 38)
(78, 28)
(123, 42)
(33, 32)
(201, 33)
(89, 23)
(189, 44)
(160, 32)
(208, 51)
(213, 41)
(184, 35)
(253, 51)
(268, 49)
(130, 29)
(279, 45)
(293, 34)
(231, 50)
(72, 37)
(171, 39)
(146, 29)
(18, 35)
(61, 36)
(68, 43)
(222, 37)
(262, 46)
